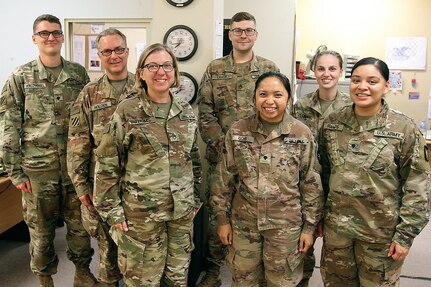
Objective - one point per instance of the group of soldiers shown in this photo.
(54, 120)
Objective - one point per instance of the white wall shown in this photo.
(18, 17)
(275, 23)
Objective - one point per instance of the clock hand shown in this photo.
(180, 88)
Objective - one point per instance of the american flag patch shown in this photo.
(75, 122)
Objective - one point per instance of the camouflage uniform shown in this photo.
(90, 114)
(225, 95)
(2, 111)
(378, 187)
(148, 174)
(308, 110)
(268, 187)
(35, 139)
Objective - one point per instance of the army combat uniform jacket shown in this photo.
(146, 171)
(37, 118)
(379, 180)
(89, 116)
(307, 109)
(226, 95)
(273, 175)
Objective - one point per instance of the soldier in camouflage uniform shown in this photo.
(378, 185)
(225, 96)
(38, 97)
(90, 114)
(267, 195)
(148, 176)
(312, 109)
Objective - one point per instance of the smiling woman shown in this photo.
(147, 174)
(376, 181)
(266, 194)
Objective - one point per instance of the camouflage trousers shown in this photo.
(150, 250)
(97, 228)
(271, 254)
(349, 262)
(309, 263)
(41, 208)
(216, 251)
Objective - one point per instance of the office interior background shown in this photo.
(288, 30)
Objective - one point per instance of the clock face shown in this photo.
(182, 40)
(188, 89)
(179, 3)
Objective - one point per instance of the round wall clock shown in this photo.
(188, 89)
(182, 40)
(179, 3)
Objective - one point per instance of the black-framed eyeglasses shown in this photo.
(45, 34)
(248, 31)
(154, 67)
(108, 52)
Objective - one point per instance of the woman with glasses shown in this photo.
(373, 160)
(148, 176)
(267, 196)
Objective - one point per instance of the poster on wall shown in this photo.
(407, 53)
(93, 58)
(395, 80)
(79, 49)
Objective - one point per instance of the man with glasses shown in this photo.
(226, 95)
(89, 116)
(38, 97)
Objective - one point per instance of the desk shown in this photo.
(10, 205)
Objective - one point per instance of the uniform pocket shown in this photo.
(130, 251)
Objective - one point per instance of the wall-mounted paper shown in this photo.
(406, 53)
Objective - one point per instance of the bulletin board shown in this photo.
(85, 52)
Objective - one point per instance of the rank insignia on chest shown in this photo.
(173, 137)
(354, 145)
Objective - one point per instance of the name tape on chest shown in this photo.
(185, 117)
(141, 121)
(239, 138)
(296, 141)
(389, 134)
(101, 106)
(34, 86)
(221, 77)
(333, 127)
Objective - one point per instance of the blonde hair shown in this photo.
(141, 84)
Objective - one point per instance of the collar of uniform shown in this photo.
(64, 75)
(377, 121)
(230, 67)
(176, 107)
(285, 125)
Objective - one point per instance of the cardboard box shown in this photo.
(10, 205)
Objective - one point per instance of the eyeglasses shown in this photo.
(248, 31)
(108, 52)
(45, 34)
(153, 67)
